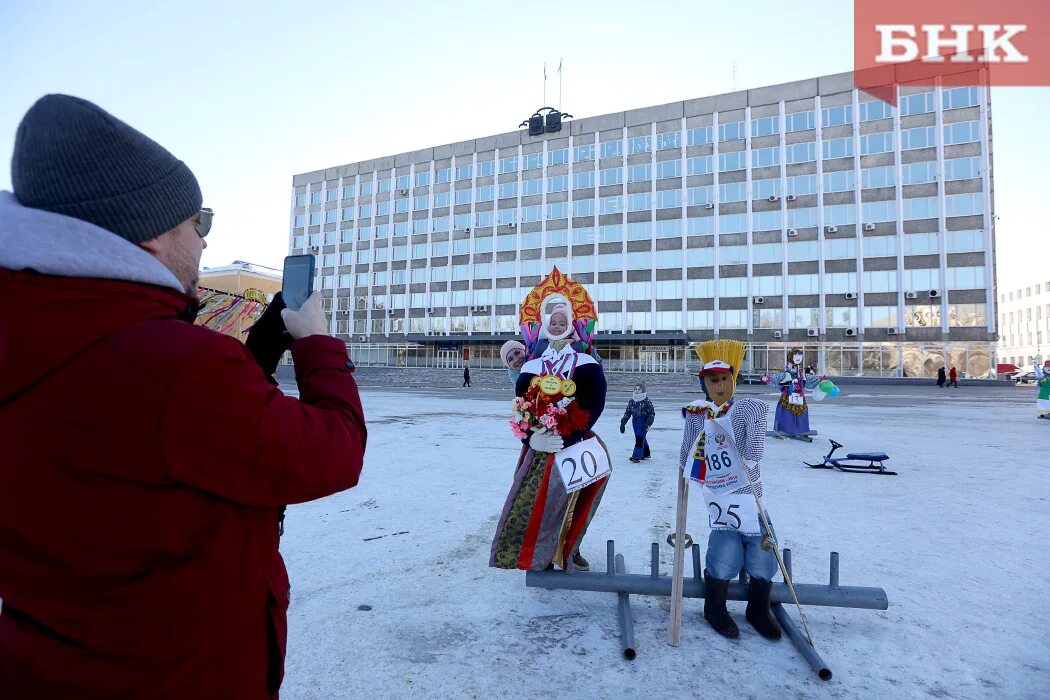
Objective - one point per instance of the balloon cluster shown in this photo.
(825, 388)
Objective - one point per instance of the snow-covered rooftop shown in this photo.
(242, 266)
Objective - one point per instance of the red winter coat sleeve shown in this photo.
(226, 430)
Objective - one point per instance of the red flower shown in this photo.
(575, 419)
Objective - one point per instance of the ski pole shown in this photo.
(771, 538)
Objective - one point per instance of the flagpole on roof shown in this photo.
(560, 61)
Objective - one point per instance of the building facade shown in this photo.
(806, 215)
(1024, 324)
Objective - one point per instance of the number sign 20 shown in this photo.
(582, 464)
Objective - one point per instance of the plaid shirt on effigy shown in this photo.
(748, 418)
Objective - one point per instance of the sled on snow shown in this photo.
(854, 462)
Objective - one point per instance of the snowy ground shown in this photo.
(392, 596)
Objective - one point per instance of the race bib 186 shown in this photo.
(725, 466)
(582, 464)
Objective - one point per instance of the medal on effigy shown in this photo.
(550, 384)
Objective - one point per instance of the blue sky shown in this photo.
(250, 93)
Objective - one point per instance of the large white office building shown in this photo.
(1024, 324)
(806, 215)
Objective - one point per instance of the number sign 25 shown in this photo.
(731, 519)
(731, 512)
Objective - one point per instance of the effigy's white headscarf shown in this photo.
(569, 330)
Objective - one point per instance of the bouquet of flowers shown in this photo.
(548, 403)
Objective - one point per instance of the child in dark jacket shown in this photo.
(641, 413)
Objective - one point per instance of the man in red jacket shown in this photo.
(145, 460)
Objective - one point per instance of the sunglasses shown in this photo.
(203, 224)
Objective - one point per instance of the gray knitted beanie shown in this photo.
(72, 157)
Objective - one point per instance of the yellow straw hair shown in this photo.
(732, 352)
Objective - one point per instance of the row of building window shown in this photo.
(1007, 318)
(874, 317)
(1013, 340)
(912, 208)
(914, 243)
(797, 121)
(964, 241)
(1017, 326)
(664, 290)
(764, 253)
(838, 181)
(965, 204)
(1017, 340)
(870, 282)
(1027, 292)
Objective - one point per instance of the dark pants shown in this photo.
(641, 447)
(466, 382)
(954, 382)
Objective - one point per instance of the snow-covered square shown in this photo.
(392, 595)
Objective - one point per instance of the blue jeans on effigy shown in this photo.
(728, 551)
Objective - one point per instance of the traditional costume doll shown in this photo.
(724, 437)
(641, 413)
(792, 415)
(513, 355)
(542, 523)
(1042, 376)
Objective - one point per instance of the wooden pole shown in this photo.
(678, 572)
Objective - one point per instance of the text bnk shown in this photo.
(995, 38)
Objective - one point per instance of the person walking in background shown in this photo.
(941, 377)
(1042, 378)
(146, 459)
(953, 378)
(641, 413)
(466, 376)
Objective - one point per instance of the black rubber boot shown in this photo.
(715, 607)
(758, 612)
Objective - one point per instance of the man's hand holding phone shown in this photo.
(308, 320)
(268, 339)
